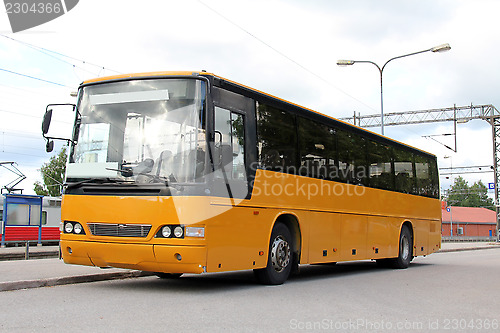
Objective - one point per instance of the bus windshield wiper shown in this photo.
(127, 172)
(91, 180)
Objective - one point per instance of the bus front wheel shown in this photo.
(279, 260)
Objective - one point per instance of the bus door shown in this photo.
(233, 151)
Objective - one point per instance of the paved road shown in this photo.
(442, 292)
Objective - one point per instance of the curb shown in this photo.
(469, 249)
(51, 282)
(32, 255)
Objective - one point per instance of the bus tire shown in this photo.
(405, 249)
(162, 275)
(279, 259)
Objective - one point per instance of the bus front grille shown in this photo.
(119, 229)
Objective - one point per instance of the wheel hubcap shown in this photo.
(280, 254)
(405, 248)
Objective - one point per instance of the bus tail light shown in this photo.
(195, 232)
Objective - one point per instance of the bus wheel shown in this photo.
(168, 275)
(279, 260)
(405, 249)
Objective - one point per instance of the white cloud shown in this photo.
(186, 35)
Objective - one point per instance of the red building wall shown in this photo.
(475, 221)
(470, 230)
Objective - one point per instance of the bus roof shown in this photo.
(203, 73)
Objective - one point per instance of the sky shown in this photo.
(286, 48)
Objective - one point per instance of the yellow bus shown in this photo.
(188, 172)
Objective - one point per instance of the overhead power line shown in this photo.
(33, 116)
(461, 170)
(22, 114)
(36, 78)
(31, 155)
(284, 55)
(22, 147)
(51, 52)
(21, 89)
(23, 134)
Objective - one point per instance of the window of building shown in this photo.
(44, 217)
(23, 214)
(54, 203)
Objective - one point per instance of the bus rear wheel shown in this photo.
(405, 249)
(279, 260)
(405, 254)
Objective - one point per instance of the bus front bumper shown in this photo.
(145, 257)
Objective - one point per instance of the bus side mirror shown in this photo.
(47, 117)
(49, 146)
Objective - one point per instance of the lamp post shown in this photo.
(451, 214)
(439, 48)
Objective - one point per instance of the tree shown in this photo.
(53, 175)
(462, 195)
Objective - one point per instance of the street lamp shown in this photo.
(451, 214)
(439, 48)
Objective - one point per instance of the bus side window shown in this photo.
(433, 170)
(380, 166)
(425, 176)
(277, 139)
(352, 158)
(44, 217)
(404, 171)
(318, 149)
(230, 143)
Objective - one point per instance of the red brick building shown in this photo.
(469, 222)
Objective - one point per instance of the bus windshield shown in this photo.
(146, 131)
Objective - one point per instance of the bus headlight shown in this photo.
(166, 231)
(178, 232)
(77, 229)
(195, 232)
(170, 231)
(68, 227)
(71, 227)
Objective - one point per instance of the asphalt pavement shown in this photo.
(35, 273)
